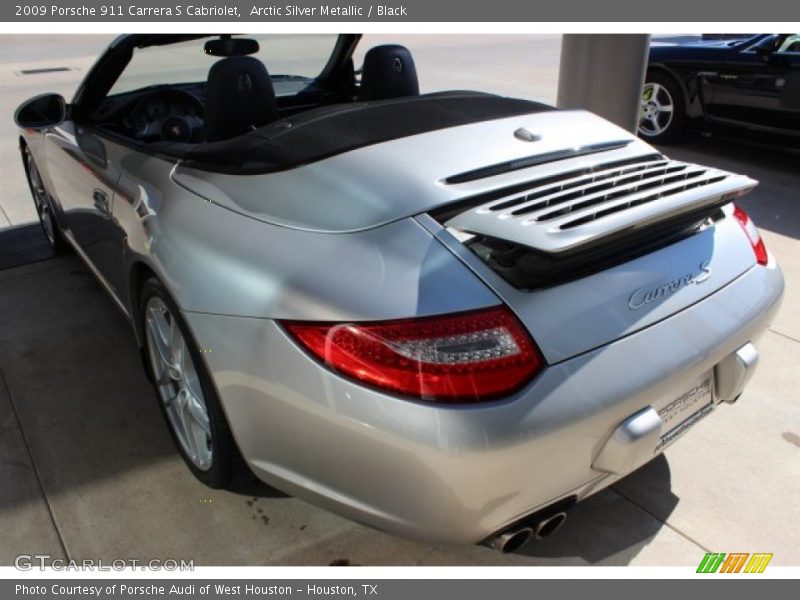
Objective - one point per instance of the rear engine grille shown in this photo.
(603, 178)
(580, 208)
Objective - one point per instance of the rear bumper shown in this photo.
(460, 474)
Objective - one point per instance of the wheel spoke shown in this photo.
(156, 312)
(159, 343)
(46, 216)
(36, 182)
(176, 344)
(200, 445)
(163, 377)
(184, 418)
(657, 89)
(664, 108)
(197, 410)
(190, 377)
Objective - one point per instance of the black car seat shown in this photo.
(388, 72)
(239, 98)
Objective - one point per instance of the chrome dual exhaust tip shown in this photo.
(511, 540)
(547, 527)
(515, 537)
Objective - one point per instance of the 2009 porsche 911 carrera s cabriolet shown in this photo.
(449, 316)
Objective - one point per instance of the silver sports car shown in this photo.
(449, 316)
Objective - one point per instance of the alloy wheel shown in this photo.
(178, 383)
(656, 110)
(42, 201)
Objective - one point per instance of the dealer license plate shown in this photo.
(681, 413)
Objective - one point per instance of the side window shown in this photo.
(791, 45)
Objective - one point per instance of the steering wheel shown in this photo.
(168, 114)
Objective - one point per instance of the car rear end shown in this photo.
(644, 287)
(630, 296)
(637, 351)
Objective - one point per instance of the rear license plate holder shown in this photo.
(682, 413)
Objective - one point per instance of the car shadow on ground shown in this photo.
(248, 485)
(608, 528)
(23, 245)
(72, 373)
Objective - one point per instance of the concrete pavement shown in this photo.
(87, 469)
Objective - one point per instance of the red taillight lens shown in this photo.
(465, 357)
(752, 234)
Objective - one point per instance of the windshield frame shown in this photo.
(101, 77)
(145, 68)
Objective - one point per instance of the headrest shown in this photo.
(388, 72)
(239, 97)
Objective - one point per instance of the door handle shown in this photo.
(101, 202)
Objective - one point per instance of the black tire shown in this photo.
(45, 207)
(227, 465)
(658, 127)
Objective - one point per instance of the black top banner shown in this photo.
(715, 11)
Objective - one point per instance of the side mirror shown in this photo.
(42, 111)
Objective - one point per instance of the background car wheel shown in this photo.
(662, 113)
(186, 395)
(44, 206)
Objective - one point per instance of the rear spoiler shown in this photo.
(577, 210)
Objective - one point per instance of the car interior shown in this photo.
(239, 96)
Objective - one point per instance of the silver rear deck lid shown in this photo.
(564, 213)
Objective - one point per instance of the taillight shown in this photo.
(752, 234)
(463, 357)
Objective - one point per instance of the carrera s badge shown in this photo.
(648, 295)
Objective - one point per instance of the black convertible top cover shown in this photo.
(327, 131)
